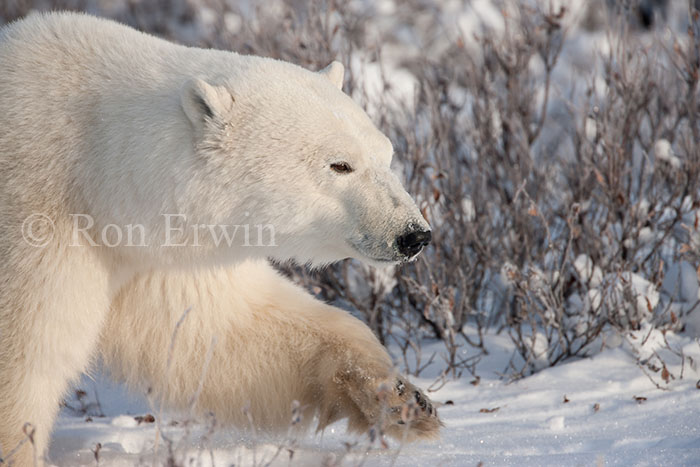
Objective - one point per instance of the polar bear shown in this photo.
(120, 156)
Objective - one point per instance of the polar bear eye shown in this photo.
(341, 167)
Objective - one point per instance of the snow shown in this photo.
(681, 282)
(468, 209)
(477, 16)
(664, 152)
(586, 271)
(599, 411)
(371, 85)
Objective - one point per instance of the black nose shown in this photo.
(411, 243)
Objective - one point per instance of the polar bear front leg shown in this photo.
(360, 383)
(260, 343)
(52, 305)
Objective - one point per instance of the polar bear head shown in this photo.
(296, 153)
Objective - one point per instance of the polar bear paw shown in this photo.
(409, 413)
(391, 406)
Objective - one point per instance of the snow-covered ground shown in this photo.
(599, 411)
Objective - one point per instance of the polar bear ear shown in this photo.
(335, 73)
(201, 101)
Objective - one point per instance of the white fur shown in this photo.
(101, 120)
